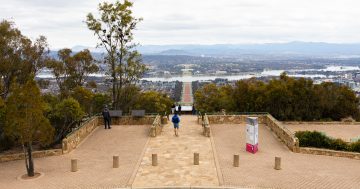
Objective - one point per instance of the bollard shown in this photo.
(154, 160)
(74, 166)
(277, 163)
(115, 161)
(196, 158)
(236, 160)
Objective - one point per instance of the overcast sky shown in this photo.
(195, 21)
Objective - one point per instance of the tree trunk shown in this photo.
(30, 168)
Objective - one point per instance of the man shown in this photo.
(107, 118)
(193, 110)
(179, 109)
(173, 109)
(176, 121)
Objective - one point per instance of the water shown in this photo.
(47, 74)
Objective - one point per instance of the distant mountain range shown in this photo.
(234, 50)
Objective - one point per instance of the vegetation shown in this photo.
(114, 29)
(71, 70)
(320, 140)
(25, 120)
(154, 102)
(285, 98)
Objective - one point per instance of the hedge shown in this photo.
(320, 140)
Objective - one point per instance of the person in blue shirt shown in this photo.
(176, 121)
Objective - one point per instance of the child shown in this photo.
(176, 120)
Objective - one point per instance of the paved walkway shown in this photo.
(298, 170)
(187, 94)
(175, 157)
(345, 132)
(95, 162)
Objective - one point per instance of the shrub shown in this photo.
(319, 140)
(313, 139)
(338, 144)
(355, 146)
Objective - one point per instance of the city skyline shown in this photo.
(199, 22)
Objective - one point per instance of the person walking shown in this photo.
(173, 109)
(107, 118)
(193, 110)
(176, 121)
(179, 109)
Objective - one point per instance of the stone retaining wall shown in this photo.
(156, 127)
(326, 152)
(130, 120)
(285, 135)
(206, 126)
(36, 154)
(236, 119)
(71, 141)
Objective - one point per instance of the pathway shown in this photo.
(175, 158)
(187, 94)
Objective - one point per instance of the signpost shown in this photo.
(252, 134)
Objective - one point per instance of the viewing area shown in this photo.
(142, 152)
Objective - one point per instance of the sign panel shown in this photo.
(252, 134)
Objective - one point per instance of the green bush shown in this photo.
(355, 146)
(338, 144)
(313, 139)
(319, 140)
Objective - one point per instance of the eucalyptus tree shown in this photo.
(20, 58)
(114, 29)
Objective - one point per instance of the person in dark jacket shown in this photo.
(176, 121)
(107, 118)
(173, 109)
(179, 109)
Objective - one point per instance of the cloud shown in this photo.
(200, 21)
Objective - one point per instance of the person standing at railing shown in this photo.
(107, 118)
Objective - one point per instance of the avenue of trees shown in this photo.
(29, 118)
(285, 98)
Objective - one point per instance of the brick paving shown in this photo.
(95, 162)
(345, 132)
(187, 96)
(298, 170)
(175, 154)
(175, 158)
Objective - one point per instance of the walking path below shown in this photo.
(175, 158)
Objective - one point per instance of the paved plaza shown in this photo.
(298, 170)
(95, 162)
(175, 162)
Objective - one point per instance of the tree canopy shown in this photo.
(285, 98)
(114, 29)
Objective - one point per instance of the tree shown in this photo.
(25, 120)
(20, 58)
(114, 29)
(66, 115)
(70, 70)
(85, 99)
(99, 100)
(154, 102)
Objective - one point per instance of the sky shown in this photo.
(194, 21)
